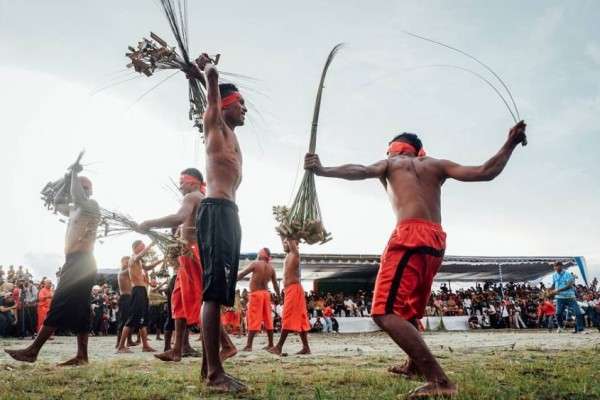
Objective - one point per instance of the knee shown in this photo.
(379, 320)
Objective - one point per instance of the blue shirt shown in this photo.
(561, 280)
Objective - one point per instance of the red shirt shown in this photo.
(546, 309)
(17, 296)
(328, 312)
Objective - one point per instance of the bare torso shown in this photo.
(414, 187)
(188, 228)
(137, 274)
(223, 163)
(291, 269)
(262, 273)
(81, 231)
(124, 282)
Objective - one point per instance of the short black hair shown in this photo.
(409, 138)
(193, 172)
(227, 88)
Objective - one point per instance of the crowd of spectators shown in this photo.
(488, 306)
(514, 306)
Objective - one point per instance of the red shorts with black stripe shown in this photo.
(186, 298)
(408, 265)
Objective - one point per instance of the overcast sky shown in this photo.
(56, 56)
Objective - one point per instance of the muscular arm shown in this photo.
(61, 199)
(142, 253)
(275, 285)
(173, 220)
(245, 272)
(212, 117)
(352, 172)
(492, 167)
(151, 266)
(77, 192)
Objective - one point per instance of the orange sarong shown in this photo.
(45, 298)
(295, 314)
(259, 311)
(408, 265)
(186, 298)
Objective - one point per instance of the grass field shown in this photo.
(343, 367)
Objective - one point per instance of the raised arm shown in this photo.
(245, 272)
(492, 167)
(151, 266)
(170, 221)
(352, 172)
(61, 199)
(142, 253)
(212, 116)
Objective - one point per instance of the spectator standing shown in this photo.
(327, 315)
(562, 288)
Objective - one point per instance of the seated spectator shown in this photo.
(317, 326)
(474, 322)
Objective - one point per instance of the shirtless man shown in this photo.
(259, 305)
(186, 298)
(295, 314)
(124, 299)
(414, 252)
(70, 308)
(218, 225)
(138, 306)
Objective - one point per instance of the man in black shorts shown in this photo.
(217, 224)
(71, 304)
(138, 307)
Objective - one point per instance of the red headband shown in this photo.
(185, 178)
(230, 99)
(264, 254)
(402, 147)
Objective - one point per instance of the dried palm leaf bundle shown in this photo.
(154, 53)
(302, 220)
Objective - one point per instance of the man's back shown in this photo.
(262, 273)
(136, 274)
(189, 225)
(291, 269)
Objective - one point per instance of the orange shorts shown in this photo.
(231, 317)
(259, 311)
(186, 298)
(295, 315)
(408, 265)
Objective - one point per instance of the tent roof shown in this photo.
(454, 268)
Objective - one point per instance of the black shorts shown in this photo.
(123, 314)
(169, 322)
(219, 238)
(71, 304)
(138, 308)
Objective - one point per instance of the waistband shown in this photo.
(418, 221)
(124, 295)
(138, 288)
(260, 291)
(294, 284)
(78, 254)
(219, 202)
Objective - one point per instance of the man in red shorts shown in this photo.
(187, 293)
(295, 314)
(259, 303)
(415, 251)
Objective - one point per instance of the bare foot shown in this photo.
(267, 347)
(304, 351)
(124, 350)
(247, 348)
(168, 356)
(407, 370)
(148, 349)
(131, 344)
(226, 384)
(227, 353)
(74, 362)
(191, 352)
(434, 390)
(277, 351)
(22, 355)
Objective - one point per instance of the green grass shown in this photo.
(529, 374)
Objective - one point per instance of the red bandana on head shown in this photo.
(264, 254)
(230, 99)
(402, 147)
(184, 178)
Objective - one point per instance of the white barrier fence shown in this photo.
(366, 324)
